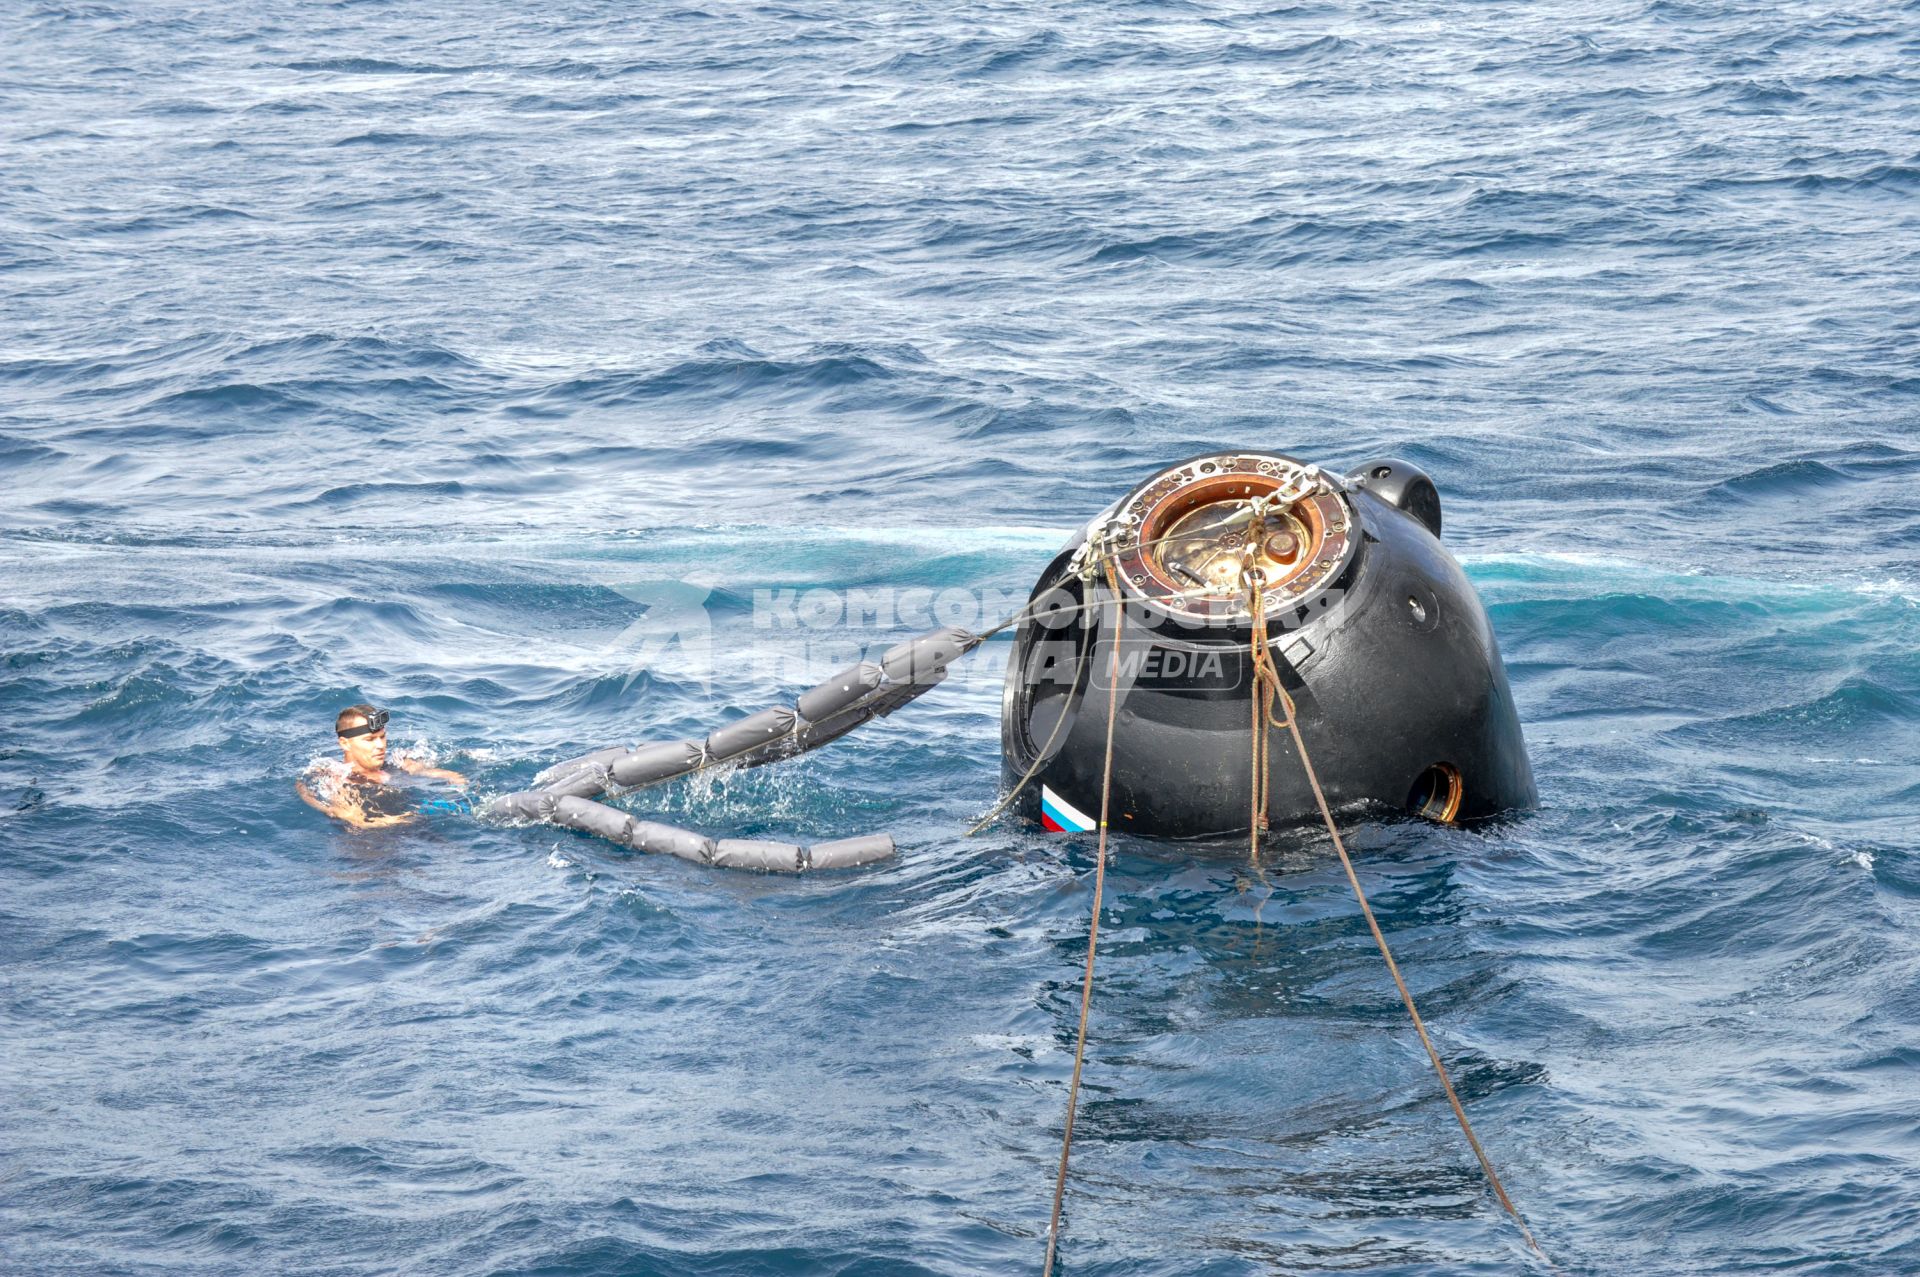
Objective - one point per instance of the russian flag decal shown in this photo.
(1059, 816)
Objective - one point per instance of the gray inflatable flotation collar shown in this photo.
(567, 794)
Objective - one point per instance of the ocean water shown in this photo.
(409, 352)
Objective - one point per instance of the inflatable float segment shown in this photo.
(566, 793)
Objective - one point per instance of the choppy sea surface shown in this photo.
(407, 352)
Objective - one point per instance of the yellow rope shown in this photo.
(1256, 755)
(1266, 686)
(1093, 935)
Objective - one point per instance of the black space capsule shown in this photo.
(1375, 632)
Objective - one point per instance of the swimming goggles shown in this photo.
(375, 724)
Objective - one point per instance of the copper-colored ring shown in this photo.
(1456, 792)
(1211, 480)
(1213, 490)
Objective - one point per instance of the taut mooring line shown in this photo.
(1093, 933)
(1267, 677)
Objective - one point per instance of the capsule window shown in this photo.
(1437, 793)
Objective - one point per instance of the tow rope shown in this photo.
(1093, 930)
(1267, 689)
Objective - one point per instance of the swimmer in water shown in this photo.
(363, 793)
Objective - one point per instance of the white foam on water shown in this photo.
(931, 536)
(1604, 571)
(1892, 587)
(1569, 558)
(1863, 859)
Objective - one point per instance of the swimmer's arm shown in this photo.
(344, 809)
(363, 821)
(417, 768)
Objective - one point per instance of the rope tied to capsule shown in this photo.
(1268, 691)
(1265, 691)
(1268, 688)
(1093, 931)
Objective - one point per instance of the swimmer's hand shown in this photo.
(345, 809)
(416, 768)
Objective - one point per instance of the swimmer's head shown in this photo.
(362, 730)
